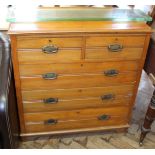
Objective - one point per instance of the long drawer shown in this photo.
(27, 56)
(76, 81)
(125, 41)
(67, 120)
(105, 54)
(42, 41)
(73, 68)
(69, 94)
(65, 99)
(54, 104)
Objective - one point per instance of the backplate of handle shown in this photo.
(104, 117)
(50, 49)
(115, 47)
(49, 76)
(111, 72)
(108, 97)
(50, 100)
(50, 122)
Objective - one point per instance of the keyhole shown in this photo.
(49, 41)
(81, 65)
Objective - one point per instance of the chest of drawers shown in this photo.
(77, 76)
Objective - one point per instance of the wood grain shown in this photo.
(128, 41)
(40, 42)
(37, 56)
(104, 54)
(76, 126)
(75, 119)
(66, 94)
(57, 27)
(76, 81)
(74, 68)
(82, 103)
(77, 114)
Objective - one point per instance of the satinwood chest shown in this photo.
(77, 74)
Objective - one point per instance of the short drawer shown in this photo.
(26, 42)
(74, 68)
(37, 56)
(125, 41)
(54, 81)
(104, 54)
(75, 119)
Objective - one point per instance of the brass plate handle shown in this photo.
(104, 117)
(50, 49)
(108, 97)
(49, 76)
(111, 72)
(50, 122)
(50, 100)
(115, 47)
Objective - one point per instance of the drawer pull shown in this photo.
(104, 117)
(108, 97)
(50, 49)
(50, 100)
(115, 47)
(111, 72)
(50, 122)
(49, 76)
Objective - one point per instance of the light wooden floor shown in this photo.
(128, 140)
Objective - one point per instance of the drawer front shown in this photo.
(75, 125)
(38, 56)
(38, 122)
(55, 104)
(73, 68)
(125, 41)
(42, 41)
(69, 94)
(105, 54)
(76, 81)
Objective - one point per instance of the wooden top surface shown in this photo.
(78, 26)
